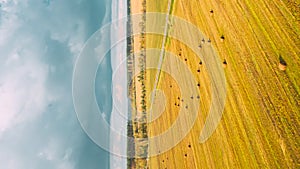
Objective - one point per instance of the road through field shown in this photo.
(162, 53)
(161, 56)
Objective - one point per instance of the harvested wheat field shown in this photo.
(257, 44)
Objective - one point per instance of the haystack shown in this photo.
(282, 64)
(222, 38)
(224, 63)
(282, 67)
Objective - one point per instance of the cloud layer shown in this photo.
(39, 42)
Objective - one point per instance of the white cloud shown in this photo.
(23, 74)
(55, 151)
(22, 90)
(19, 100)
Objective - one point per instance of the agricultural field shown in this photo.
(258, 44)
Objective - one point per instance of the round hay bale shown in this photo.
(224, 63)
(203, 41)
(282, 67)
(282, 64)
(222, 38)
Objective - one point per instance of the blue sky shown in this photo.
(39, 43)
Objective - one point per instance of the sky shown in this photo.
(39, 43)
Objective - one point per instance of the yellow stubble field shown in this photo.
(260, 123)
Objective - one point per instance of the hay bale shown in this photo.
(203, 41)
(222, 38)
(282, 67)
(224, 63)
(282, 64)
